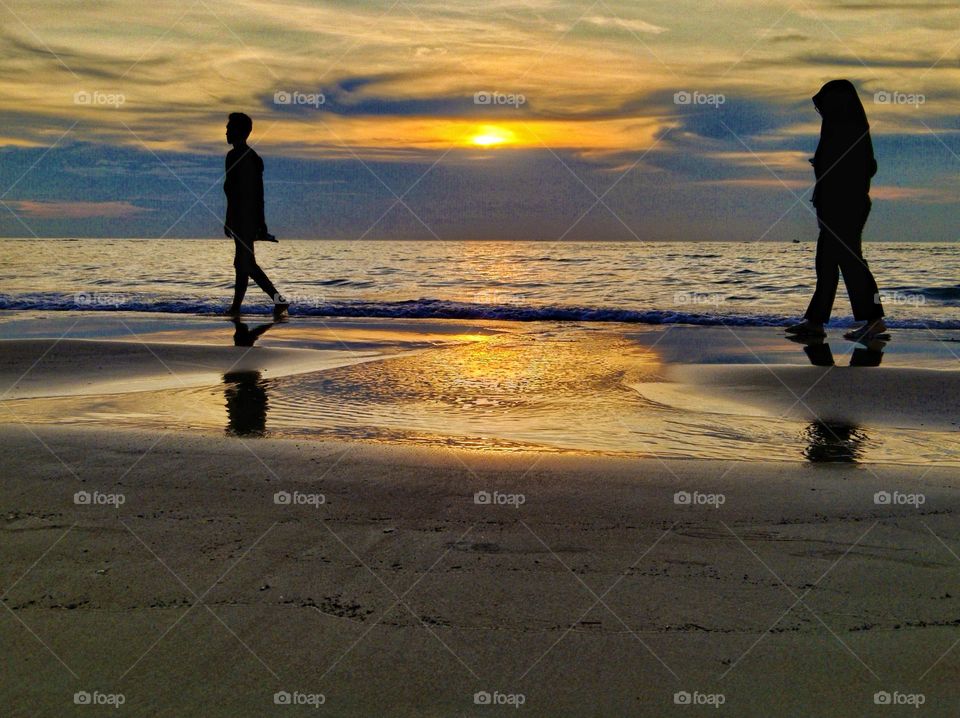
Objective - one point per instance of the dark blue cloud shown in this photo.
(355, 96)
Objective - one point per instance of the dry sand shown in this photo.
(401, 596)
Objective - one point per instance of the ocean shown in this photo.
(707, 283)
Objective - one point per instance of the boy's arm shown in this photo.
(259, 198)
(262, 235)
(227, 190)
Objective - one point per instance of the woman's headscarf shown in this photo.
(840, 106)
(844, 161)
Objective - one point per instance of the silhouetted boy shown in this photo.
(245, 223)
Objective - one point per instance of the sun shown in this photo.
(491, 136)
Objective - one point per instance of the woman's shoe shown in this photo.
(868, 332)
(806, 329)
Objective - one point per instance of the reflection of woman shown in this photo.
(843, 165)
(834, 442)
(246, 398)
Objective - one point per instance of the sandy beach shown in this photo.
(182, 569)
(591, 593)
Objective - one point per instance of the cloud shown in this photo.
(628, 25)
(920, 5)
(736, 116)
(921, 195)
(762, 183)
(788, 37)
(47, 209)
(358, 97)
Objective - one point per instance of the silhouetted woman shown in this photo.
(843, 165)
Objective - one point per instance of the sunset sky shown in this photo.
(113, 116)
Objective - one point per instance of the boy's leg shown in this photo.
(239, 290)
(263, 282)
(243, 263)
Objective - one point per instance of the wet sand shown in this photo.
(911, 398)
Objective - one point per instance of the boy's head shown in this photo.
(239, 127)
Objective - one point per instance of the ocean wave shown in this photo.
(943, 294)
(427, 309)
